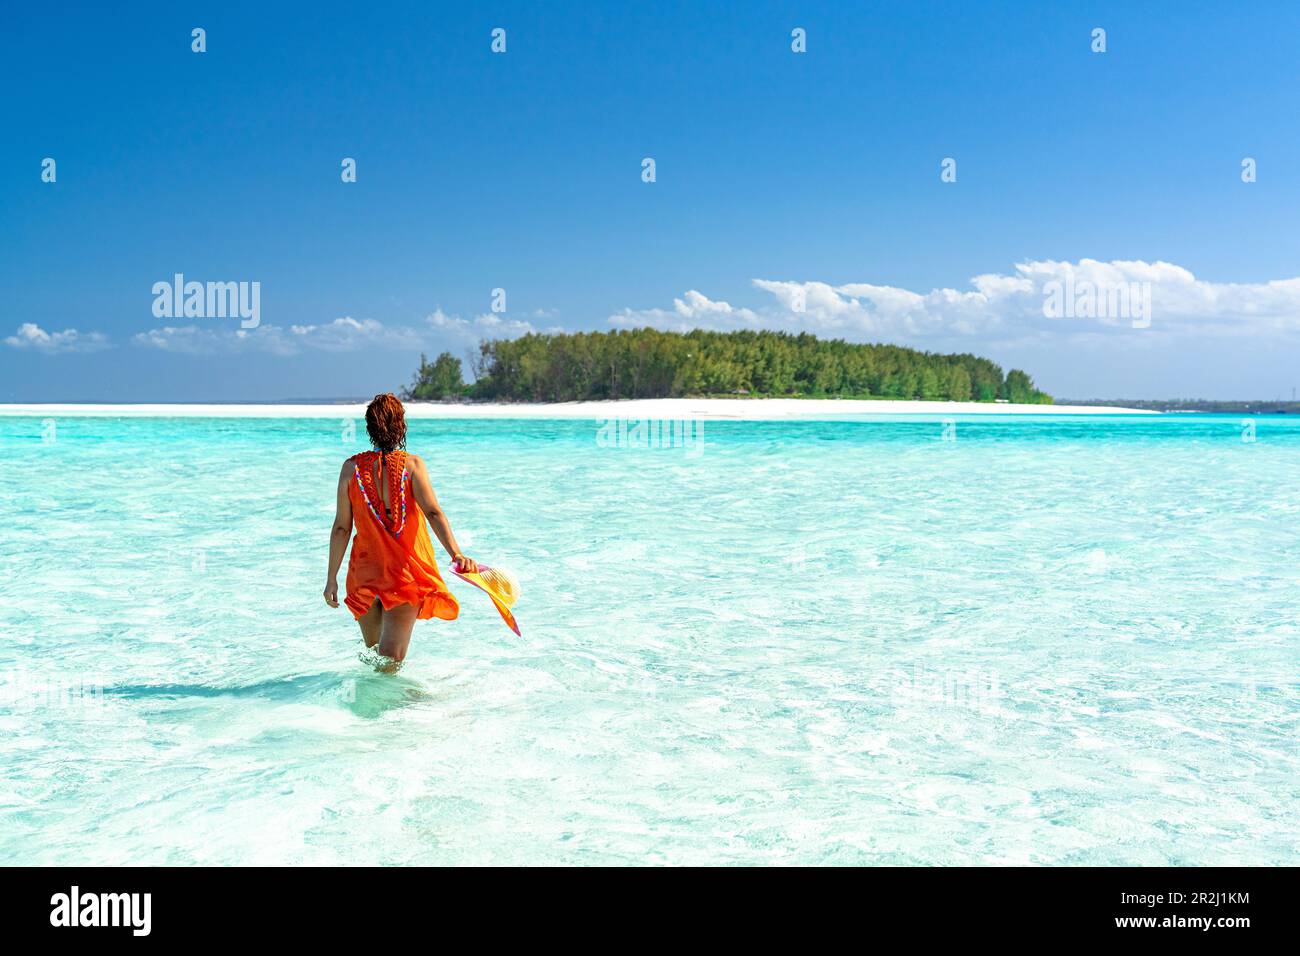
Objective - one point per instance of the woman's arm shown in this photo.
(428, 502)
(339, 533)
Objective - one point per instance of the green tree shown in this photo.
(928, 383)
(1020, 388)
(649, 363)
(958, 384)
(441, 380)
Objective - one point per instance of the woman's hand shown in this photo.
(464, 565)
(332, 592)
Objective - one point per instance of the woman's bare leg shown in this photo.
(371, 623)
(395, 634)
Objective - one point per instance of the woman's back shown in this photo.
(392, 557)
(386, 496)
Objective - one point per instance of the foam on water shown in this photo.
(1048, 641)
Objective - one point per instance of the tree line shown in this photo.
(648, 363)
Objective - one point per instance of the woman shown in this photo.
(393, 579)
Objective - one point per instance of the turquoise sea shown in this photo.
(998, 640)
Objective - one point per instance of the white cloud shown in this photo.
(344, 334)
(187, 339)
(1000, 307)
(488, 325)
(29, 335)
(692, 311)
(341, 335)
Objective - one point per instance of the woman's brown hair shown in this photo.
(386, 422)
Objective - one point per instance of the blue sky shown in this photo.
(780, 178)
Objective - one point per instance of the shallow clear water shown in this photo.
(1046, 641)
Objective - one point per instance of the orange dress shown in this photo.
(392, 557)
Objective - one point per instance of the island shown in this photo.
(650, 364)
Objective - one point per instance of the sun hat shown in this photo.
(498, 584)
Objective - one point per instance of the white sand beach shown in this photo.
(663, 409)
